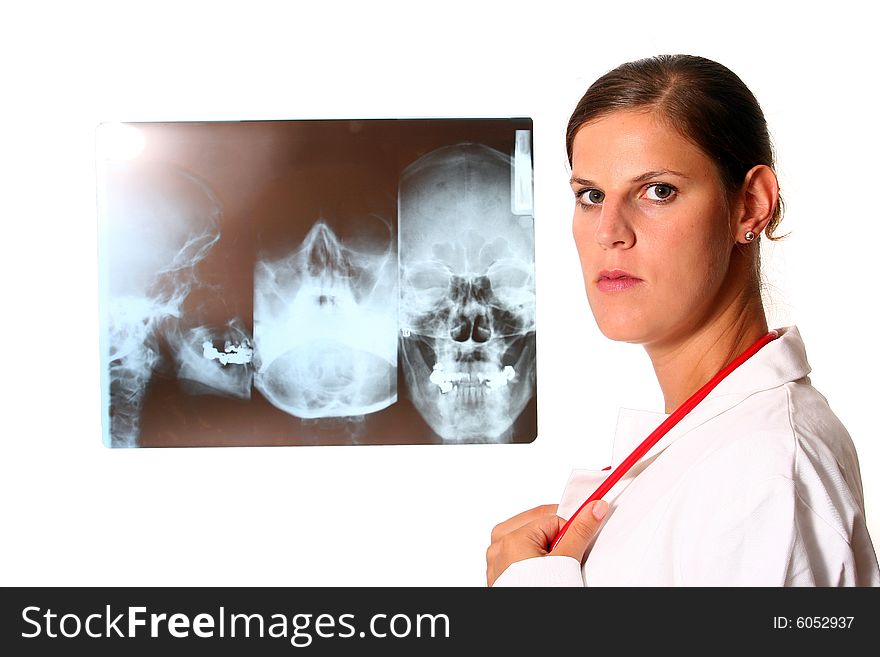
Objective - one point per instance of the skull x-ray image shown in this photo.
(161, 222)
(317, 282)
(325, 326)
(467, 305)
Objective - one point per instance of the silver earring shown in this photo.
(749, 236)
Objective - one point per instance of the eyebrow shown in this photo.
(642, 178)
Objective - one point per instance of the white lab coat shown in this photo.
(759, 485)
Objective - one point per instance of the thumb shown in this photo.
(581, 531)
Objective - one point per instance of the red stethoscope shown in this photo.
(664, 428)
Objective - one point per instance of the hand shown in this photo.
(530, 533)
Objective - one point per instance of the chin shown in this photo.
(621, 326)
(622, 332)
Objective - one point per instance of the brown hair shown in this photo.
(705, 101)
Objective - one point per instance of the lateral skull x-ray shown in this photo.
(161, 222)
(260, 279)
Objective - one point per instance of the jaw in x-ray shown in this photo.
(467, 295)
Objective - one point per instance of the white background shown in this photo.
(75, 512)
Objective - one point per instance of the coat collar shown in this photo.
(779, 362)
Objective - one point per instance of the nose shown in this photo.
(614, 230)
(474, 328)
(472, 320)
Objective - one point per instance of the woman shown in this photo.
(758, 484)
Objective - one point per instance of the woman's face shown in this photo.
(652, 228)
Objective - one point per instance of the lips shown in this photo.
(616, 280)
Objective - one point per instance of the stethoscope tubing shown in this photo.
(663, 429)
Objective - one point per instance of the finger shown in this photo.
(490, 564)
(581, 531)
(520, 519)
(531, 540)
(541, 531)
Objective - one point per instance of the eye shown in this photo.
(588, 197)
(660, 192)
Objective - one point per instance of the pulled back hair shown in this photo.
(704, 101)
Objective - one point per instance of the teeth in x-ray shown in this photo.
(470, 394)
(203, 369)
(475, 380)
(235, 354)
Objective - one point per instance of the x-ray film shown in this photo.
(317, 282)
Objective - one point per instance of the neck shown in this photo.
(684, 364)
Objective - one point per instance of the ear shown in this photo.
(759, 195)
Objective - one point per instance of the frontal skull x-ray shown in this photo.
(467, 305)
(317, 282)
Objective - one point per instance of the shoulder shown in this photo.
(779, 432)
(776, 496)
(791, 432)
(787, 444)
(821, 436)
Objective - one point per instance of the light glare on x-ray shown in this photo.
(119, 142)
